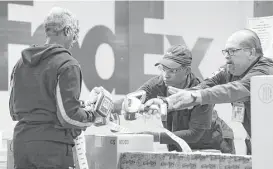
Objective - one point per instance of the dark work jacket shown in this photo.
(219, 137)
(223, 87)
(181, 122)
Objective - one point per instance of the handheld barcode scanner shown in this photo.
(133, 103)
(103, 107)
(104, 104)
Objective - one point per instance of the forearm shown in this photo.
(217, 78)
(226, 93)
(71, 114)
(190, 136)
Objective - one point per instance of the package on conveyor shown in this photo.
(137, 160)
(235, 161)
(205, 160)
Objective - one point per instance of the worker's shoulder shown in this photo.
(155, 83)
(264, 64)
(65, 59)
(156, 80)
(194, 80)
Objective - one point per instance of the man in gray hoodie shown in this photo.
(45, 91)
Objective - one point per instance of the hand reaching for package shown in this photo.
(181, 100)
(134, 105)
(184, 99)
(89, 104)
(156, 105)
(93, 96)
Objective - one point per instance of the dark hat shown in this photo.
(176, 56)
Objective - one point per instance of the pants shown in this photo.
(42, 155)
(248, 146)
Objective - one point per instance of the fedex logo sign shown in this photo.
(118, 57)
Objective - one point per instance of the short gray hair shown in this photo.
(252, 41)
(59, 18)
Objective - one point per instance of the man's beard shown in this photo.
(235, 70)
(231, 68)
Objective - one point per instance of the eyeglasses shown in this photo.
(169, 71)
(231, 52)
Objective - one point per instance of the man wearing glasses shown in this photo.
(188, 124)
(45, 91)
(244, 59)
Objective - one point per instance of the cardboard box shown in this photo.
(103, 151)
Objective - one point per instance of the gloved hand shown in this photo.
(155, 106)
(184, 99)
(132, 105)
(93, 96)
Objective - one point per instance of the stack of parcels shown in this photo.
(156, 160)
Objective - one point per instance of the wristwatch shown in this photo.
(194, 97)
(82, 104)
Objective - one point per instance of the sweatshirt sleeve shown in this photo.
(68, 90)
(231, 91)
(152, 89)
(219, 77)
